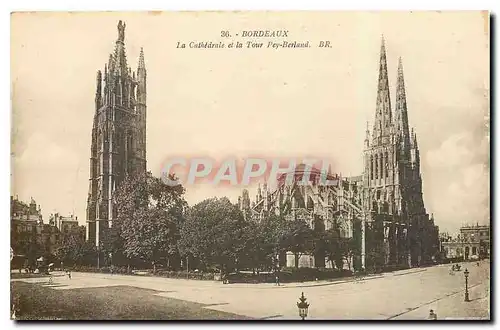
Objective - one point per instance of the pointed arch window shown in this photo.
(371, 166)
(100, 145)
(382, 165)
(386, 164)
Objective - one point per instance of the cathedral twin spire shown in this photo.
(384, 125)
(401, 111)
(383, 115)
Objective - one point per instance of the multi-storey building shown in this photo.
(28, 232)
(25, 217)
(473, 241)
(477, 240)
(65, 225)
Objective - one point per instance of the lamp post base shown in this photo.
(466, 298)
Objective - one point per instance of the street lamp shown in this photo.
(466, 273)
(303, 306)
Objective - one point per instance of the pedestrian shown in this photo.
(432, 316)
(277, 279)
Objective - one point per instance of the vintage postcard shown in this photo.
(250, 165)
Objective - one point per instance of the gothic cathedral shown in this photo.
(392, 180)
(118, 135)
(382, 209)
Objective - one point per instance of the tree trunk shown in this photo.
(296, 260)
(154, 268)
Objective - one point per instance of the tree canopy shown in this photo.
(149, 216)
(213, 232)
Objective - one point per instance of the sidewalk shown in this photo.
(126, 277)
(453, 306)
(328, 282)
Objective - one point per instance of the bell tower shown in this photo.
(118, 143)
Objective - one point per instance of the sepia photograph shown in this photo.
(250, 165)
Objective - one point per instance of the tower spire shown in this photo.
(367, 136)
(98, 93)
(118, 142)
(383, 115)
(141, 65)
(401, 112)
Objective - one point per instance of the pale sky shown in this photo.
(242, 102)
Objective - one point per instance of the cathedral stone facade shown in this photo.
(118, 144)
(392, 182)
(382, 209)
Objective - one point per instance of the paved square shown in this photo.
(408, 294)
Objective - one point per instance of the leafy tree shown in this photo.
(260, 243)
(213, 233)
(276, 232)
(26, 243)
(353, 248)
(112, 245)
(298, 238)
(149, 215)
(335, 247)
(74, 250)
(374, 246)
(250, 248)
